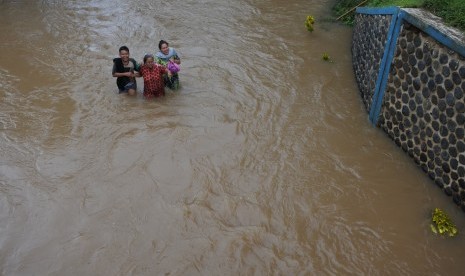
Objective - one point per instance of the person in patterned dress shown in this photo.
(152, 73)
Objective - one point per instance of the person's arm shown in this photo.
(176, 59)
(113, 71)
(139, 73)
(125, 74)
(165, 70)
(137, 65)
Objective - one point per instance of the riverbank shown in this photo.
(451, 11)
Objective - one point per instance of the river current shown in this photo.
(262, 163)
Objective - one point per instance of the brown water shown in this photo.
(263, 163)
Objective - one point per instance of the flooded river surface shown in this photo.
(263, 163)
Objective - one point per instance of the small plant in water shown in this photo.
(442, 223)
(326, 57)
(309, 23)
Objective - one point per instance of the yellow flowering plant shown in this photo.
(309, 23)
(326, 57)
(442, 224)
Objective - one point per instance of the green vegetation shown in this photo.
(309, 23)
(442, 223)
(452, 11)
(400, 3)
(326, 56)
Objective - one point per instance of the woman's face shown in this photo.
(149, 62)
(164, 49)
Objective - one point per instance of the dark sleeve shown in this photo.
(114, 68)
(136, 65)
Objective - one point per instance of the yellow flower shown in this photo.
(442, 223)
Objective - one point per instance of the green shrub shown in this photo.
(452, 11)
(442, 224)
(309, 23)
(399, 3)
(437, 5)
(342, 6)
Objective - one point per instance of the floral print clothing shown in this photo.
(172, 82)
(163, 59)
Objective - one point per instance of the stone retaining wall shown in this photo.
(421, 99)
(369, 41)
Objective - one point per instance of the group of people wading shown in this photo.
(157, 71)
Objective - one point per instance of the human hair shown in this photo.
(123, 48)
(147, 56)
(161, 43)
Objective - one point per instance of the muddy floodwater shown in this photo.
(262, 163)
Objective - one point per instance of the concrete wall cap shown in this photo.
(428, 19)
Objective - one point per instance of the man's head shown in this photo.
(123, 48)
(124, 53)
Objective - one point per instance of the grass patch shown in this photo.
(452, 11)
(342, 7)
(400, 3)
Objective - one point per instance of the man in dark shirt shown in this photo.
(123, 71)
